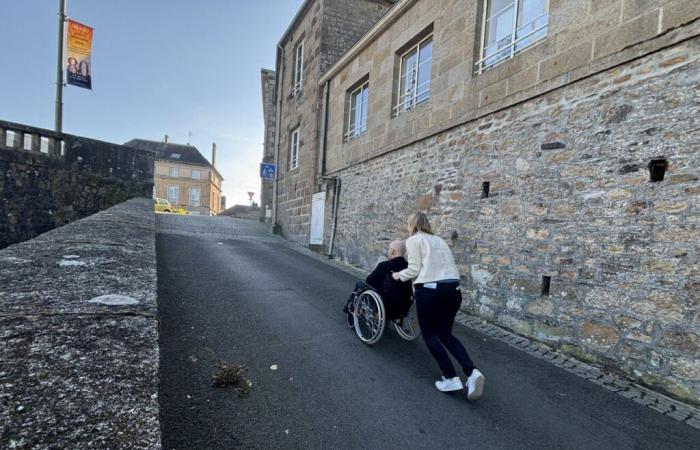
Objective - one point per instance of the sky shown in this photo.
(158, 67)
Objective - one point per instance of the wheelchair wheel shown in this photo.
(370, 317)
(408, 327)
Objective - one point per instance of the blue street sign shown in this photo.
(267, 171)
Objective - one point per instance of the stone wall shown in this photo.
(48, 180)
(344, 23)
(571, 242)
(79, 334)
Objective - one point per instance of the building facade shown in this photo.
(555, 146)
(319, 34)
(184, 177)
(267, 81)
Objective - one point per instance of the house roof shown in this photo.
(187, 154)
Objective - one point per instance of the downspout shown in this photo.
(322, 164)
(324, 131)
(336, 197)
(278, 94)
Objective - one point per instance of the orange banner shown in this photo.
(78, 55)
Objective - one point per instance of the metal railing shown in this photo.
(507, 47)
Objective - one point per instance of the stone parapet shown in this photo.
(78, 334)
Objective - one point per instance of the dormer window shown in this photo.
(175, 155)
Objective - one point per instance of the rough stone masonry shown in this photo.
(559, 219)
(78, 335)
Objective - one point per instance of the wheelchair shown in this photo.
(367, 315)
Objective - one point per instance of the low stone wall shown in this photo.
(49, 179)
(555, 220)
(78, 334)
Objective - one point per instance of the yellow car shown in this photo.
(162, 205)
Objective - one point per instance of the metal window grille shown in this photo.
(357, 112)
(517, 36)
(298, 68)
(294, 150)
(414, 76)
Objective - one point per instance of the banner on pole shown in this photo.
(78, 54)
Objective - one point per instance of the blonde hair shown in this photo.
(418, 222)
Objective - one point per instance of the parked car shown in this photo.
(162, 205)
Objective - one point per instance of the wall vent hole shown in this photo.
(657, 170)
(485, 189)
(546, 282)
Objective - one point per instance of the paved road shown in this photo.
(227, 291)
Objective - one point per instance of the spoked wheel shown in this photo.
(408, 327)
(370, 317)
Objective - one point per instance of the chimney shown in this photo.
(165, 139)
(213, 154)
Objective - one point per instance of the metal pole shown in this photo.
(59, 66)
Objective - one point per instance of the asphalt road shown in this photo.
(229, 292)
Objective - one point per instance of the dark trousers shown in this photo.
(437, 309)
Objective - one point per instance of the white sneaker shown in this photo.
(448, 384)
(475, 385)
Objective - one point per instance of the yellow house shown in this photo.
(184, 177)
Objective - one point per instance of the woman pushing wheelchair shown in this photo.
(435, 278)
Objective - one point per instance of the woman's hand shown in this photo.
(395, 276)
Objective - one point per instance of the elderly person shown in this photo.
(435, 278)
(395, 295)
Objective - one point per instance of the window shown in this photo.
(174, 172)
(175, 155)
(294, 150)
(173, 194)
(357, 112)
(194, 196)
(510, 26)
(196, 174)
(298, 68)
(414, 76)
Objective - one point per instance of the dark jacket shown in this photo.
(395, 294)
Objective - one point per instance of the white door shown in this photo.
(318, 206)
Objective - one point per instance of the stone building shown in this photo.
(555, 146)
(319, 34)
(267, 79)
(184, 177)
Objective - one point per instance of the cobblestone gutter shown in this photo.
(78, 335)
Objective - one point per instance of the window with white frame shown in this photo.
(173, 194)
(294, 150)
(174, 172)
(298, 68)
(357, 111)
(195, 193)
(414, 75)
(510, 26)
(195, 174)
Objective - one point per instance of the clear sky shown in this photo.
(159, 67)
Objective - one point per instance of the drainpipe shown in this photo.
(334, 220)
(278, 94)
(324, 131)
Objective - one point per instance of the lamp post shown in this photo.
(59, 66)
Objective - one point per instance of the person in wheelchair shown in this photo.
(396, 295)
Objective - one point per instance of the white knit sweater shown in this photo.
(429, 259)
